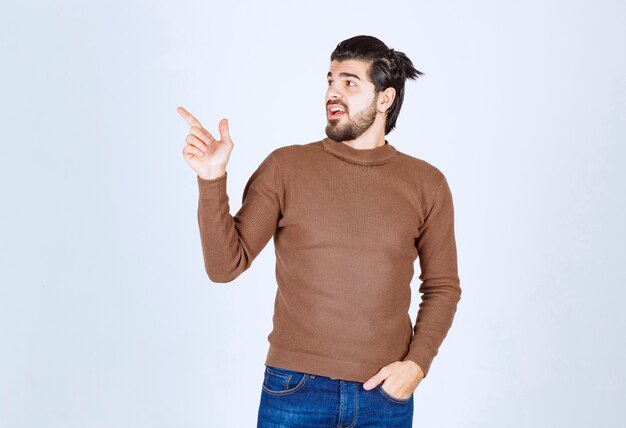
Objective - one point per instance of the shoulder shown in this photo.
(284, 153)
(422, 170)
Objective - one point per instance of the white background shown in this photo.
(107, 318)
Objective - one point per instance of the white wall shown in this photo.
(107, 318)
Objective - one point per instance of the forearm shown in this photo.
(231, 243)
(434, 319)
(224, 257)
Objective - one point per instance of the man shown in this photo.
(349, 215)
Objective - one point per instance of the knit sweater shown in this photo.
(347, 225)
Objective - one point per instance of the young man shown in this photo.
(349, 214)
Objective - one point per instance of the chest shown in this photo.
(354, 205)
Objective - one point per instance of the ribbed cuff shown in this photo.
(421, 356)
(209, 189)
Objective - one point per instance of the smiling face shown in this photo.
(350, 91)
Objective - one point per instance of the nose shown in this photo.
(333, 94)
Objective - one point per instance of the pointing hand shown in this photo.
(206, 155)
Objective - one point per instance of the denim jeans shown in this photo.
(291, 399)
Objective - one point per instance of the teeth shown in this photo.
(335, 109)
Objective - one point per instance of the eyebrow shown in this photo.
(343, 74)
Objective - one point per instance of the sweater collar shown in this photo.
(375, 156)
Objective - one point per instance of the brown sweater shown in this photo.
(348, 225)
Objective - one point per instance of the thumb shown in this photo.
(224, 132)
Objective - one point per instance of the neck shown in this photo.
(361, 156)
(366, 142)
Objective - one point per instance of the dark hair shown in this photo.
(388, 68)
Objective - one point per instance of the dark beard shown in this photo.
(355, 127)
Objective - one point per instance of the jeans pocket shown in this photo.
(391, 397)
(279, 381)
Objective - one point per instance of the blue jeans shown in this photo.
(291, 399)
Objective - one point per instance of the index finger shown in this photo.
(189, 117)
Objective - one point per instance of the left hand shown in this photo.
(399, 379)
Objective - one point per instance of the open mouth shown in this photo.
(335, 112)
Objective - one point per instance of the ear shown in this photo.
(385, 99)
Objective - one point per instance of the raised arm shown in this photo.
(440, 285)
(229, 244)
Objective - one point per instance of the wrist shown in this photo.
(418, 369)
(213, 174)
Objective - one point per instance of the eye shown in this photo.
(349, 82)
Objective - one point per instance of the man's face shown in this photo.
(350, 90)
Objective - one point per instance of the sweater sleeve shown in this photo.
(440, 286)
(230, 244)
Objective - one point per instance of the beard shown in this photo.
(353, 128)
